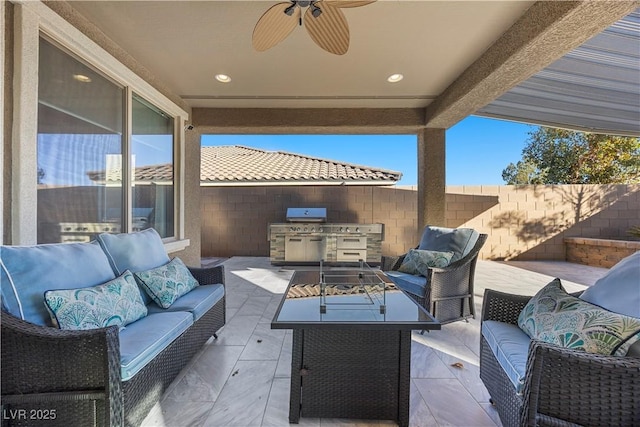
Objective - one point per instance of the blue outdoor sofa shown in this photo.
(100, 376)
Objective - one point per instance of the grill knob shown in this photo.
(357, 229)
(320, 229)
(306, 229)
(348, 231)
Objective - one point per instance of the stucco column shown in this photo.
(431, 177)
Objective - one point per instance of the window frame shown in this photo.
(31, 21)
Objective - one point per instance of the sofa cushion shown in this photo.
(117, 302)
(510, 346)
(28, 271)
(419, 261)
(196, 302)
(556, 317)
(458, 240)
(139, 251)
(619, 289)
(167, 283)
(408, 282)
(135, 252)
(143, 340)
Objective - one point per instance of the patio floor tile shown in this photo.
(243, 378)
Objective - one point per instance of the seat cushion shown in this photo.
(555, 317)
(619, 289)
(117, 302)
(28, 271)
(135, 252)
(197, 302)
(460, 241)
(408, 282)
(510, 346)
(144, 339)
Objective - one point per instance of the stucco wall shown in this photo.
(523, 222)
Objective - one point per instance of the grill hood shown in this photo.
(306, 214)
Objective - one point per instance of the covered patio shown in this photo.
(459, 59)
(242, 378)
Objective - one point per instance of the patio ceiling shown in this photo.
(441, 47)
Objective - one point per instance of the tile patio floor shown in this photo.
(242, 378)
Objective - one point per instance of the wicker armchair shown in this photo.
(448, 294)
(562, 387)
(65, 378)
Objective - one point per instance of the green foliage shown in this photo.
(634, 231)
(559, 156)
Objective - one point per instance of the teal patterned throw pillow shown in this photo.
(558, 318)
(167, 283)
(418, 261)
(117, 302)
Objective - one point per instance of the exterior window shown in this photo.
(80, 144)
(83, 180)
(152, 148)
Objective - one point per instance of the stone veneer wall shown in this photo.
(523, 222)
(598, 252)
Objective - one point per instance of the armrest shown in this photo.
(42, 364)
(209, 275)
(603, 390)
(502, 306)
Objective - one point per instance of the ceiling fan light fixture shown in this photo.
(395, 78)
(223, 78)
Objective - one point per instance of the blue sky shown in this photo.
(478, 149)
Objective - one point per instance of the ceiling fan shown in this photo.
(324, 21)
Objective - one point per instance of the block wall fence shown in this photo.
(523, 222)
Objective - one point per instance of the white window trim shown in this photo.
(31, 19)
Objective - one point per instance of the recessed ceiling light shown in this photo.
(394, 78)
(223, 78)
(82, 78)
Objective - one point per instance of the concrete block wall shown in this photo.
(235, 220)
(523, 222)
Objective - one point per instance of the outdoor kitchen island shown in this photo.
(306, 238)
(351, 344)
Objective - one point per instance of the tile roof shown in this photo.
(239, 165)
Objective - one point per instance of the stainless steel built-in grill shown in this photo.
(307, 238)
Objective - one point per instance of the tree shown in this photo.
(559, 156)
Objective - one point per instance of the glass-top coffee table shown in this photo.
(351, 344)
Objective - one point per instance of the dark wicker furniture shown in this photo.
(350, 367)
(449, 294)
(73, 377)
(563, 387)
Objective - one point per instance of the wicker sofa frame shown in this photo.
(449, 292)
(562, 387)
(67, 378)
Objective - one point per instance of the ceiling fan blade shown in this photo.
(274, 26)
(348, 3)
(329, 30)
